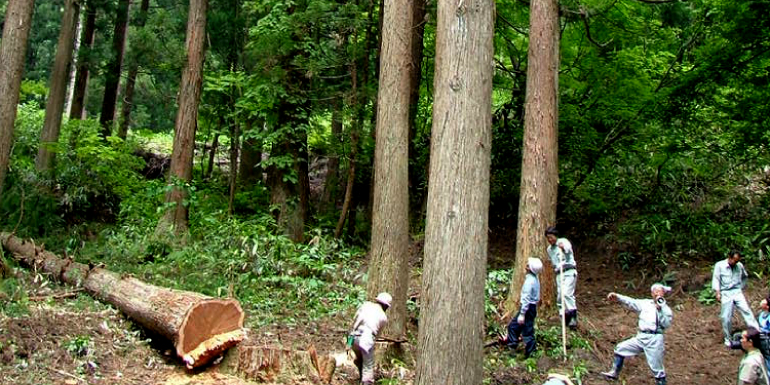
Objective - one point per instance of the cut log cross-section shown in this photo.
(200, 327)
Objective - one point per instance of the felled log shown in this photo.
(278, 364)
(200, 327)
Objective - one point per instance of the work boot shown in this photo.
(660, 381)
(617, 365)
(572, 319)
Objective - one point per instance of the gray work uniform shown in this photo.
(565, 259)
(370, 318)
(730, 281)
(649, 339)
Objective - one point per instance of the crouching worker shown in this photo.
(654, 317)
(370, 318)
(524, 324)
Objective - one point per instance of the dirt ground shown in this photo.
(69, 338)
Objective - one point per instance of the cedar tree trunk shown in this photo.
(186, 118)
(13, 49)
(77, 109)
(389, 254)
(112, 73)
(539, 165)
(133, 71)
(452, 313)
(57, 93)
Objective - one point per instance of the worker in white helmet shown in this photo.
(370, 319)
(655, 317)
(524, 323)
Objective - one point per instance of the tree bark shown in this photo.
(58, 87)
(235, 134)
(186, 118)
(540, 162)
(200, 327)
(250, 172)
(13, 48)
(272, 364)
(389, 253)
(212, 154)
(452, 313)
(112, 73)
(77, 110)
(133, 71)
(73, 66)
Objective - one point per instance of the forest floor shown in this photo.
(65, 337)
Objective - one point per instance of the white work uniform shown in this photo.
(649, 339)
(566, 259)
(370, 318)
(730, 281)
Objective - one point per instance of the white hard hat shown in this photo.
(384, 298)
(535, 265)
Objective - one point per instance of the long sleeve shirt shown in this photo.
(370, 317)
(651, 319)
(562, 254)
(728, 278)
(530, 292)
(764, 322)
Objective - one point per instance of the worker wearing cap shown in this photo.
(563, 261)
(654, 318)
(370, 319)
(728, 281)
(524, 323)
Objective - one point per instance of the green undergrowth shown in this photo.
(275, 279)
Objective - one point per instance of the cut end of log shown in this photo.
(212, 348)
(209, 328)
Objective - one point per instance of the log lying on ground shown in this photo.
(200, 327)
(277, 364)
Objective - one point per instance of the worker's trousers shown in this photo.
(653, 346)
(569, 280)
(735, 299)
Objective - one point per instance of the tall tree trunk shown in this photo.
(331, 185)
(73, 66)
(452, 315)
(186, 118)
(235, 134)
(250, 172)
(58, 87)
(13, 49)
(212, 155)
(354, 137)
(389, 254)
(291, 197)
(81, 79)
(112, 73)
(133, 71)
(540, 161)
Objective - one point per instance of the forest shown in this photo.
(205, 191)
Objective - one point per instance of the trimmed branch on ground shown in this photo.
(200, 327)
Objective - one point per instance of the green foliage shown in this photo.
(707, 295)
(241, 258)
(78, 346)
(497, 284)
